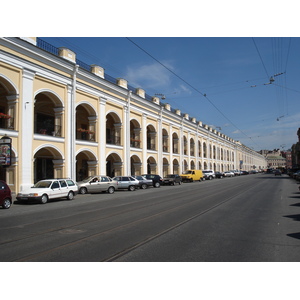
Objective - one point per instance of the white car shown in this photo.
(47, 189)
(209, 174)
(228, 174)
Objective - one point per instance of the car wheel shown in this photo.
(70, 196)
(6, 204)
(44, 199)
(144, 186)
(210, 178)
(111, 190)
(157, 184)
(131, 188)
(83, 190)
(180, 182)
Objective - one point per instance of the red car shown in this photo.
(5, 195)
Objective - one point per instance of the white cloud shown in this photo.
(149, 76)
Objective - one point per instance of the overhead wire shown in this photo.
(260, 58)
(192, 87)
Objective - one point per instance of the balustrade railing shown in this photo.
(7, 123)
(54, 130)
(135, 143)
(151, 146)
(113, 140)
(85, 135)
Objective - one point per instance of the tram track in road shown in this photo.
(132, 223)
(136, 206)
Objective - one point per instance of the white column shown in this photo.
(102, 136)
(171, 149)
(180, 146)
(71, 127)
(144, 143)
(159, 144)
(26, 137)
(126, 131)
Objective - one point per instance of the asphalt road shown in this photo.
(252, 218)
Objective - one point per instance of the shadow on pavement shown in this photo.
(294, 235)
(294, 217)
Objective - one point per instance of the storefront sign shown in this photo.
(5, 151)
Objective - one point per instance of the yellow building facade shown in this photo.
(69, 119)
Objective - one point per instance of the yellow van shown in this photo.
(192, 175)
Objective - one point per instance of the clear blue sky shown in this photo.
(233, 73)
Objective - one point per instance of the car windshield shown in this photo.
(88, 179)
(170, 175)
(42, 184)
(187, 172)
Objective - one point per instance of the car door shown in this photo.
(55, 191)
(4, 192)
(64, 190)
(94, 185)
(104, 183)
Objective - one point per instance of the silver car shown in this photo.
(97, 184)
(144, 182)
(126, 182)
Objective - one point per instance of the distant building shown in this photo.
(275, 159)
(288, 156)
(296, 152)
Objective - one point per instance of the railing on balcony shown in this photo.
(54, 130)
(151, 146)
(113, 140)
(165, 149)
(85, 135)
(135, 143)
(7, 123)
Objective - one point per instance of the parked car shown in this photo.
(45, 190)
(219, 174)
(192, 175)
(228, 174)
(144, 182)
(236, 172)
(208, 174)
(97, 184)
(296, 174)
(172, 179)
(277, 173)
(156, 179)
(5, 195)
(126, 182)
(244, 173)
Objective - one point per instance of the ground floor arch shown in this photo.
(114, 165)
(135, 165)
(48, 163)
(151, 165)
(176, 166)
(86, 165)
(165, 167)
